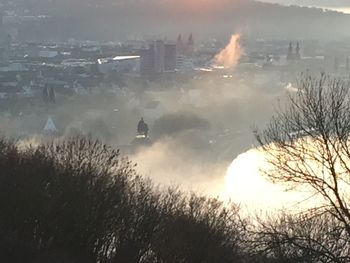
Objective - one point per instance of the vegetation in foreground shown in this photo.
(77, 200)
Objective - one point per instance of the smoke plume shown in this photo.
(231, 54)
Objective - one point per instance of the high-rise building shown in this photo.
(159, 52)
(170, 57)
(158, 58)
(147, 61)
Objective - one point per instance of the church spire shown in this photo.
(290, 51)
(180, 45)
(190, 46)
(297, 51)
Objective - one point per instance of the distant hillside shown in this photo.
(112, 19)
(333, 3)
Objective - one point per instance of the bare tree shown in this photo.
(299, 238)
(78, 200)
(307, 145)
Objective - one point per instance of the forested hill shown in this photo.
(112, 18)
(333, 3)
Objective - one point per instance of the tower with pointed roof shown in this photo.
(297, 51)
(190, 46)
(290, 51)
(180, 48)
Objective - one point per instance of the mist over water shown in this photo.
(203, 125)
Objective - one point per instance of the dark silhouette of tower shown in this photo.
(180, 45)
(290, 51)
(297, 51)
(190, 46)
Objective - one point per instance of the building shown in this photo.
(159, 53)
(170, 57)
(147, 61)
(190, 46)
(158, 58)
(120, 64)
(187, 49)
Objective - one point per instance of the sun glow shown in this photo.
(247, 185)
(203, 5)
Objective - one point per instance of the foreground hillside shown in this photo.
(78, 201)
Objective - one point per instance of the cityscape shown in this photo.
(168, 131)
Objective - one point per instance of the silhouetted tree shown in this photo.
(300, 238)
(77, 200)
(197, 229)
(307, 145)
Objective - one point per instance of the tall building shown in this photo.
(158, 58)
(159, 52)
(147, 61)
(170, 57)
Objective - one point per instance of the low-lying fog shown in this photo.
(199, 123)
(197, 127)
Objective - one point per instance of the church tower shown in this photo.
(290, 51)
(190, 46)
(180, 48)
(297, 51)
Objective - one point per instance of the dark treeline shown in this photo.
(78, 201)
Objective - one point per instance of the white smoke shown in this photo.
(231, 54)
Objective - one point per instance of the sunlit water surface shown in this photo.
(247, 185)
